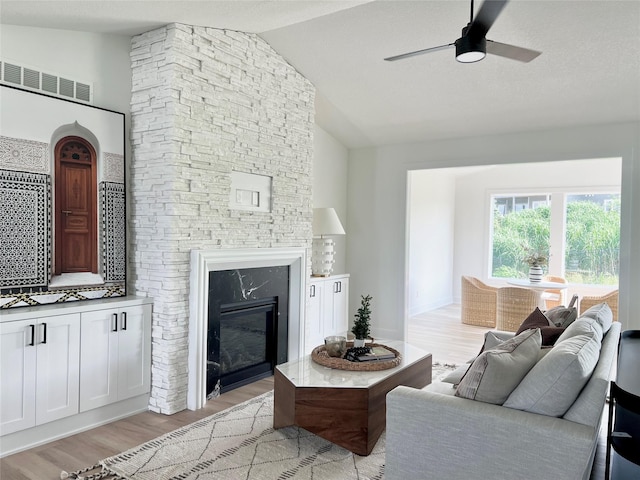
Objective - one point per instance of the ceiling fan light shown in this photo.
(469, 50)
(470, 57)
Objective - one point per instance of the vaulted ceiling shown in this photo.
(588, 73)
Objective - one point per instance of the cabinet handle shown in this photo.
(337, 287)
(114, 322)
(123, 324)
(32, 333)
(312, 291)
(44, 333)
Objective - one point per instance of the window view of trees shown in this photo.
(521, 225)
(592, 245)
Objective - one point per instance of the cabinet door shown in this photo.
(340, 314)
(134, 355)
(17, 376)
(98, 358)
(58, 367)
(315, 318)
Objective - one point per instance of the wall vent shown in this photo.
(12, 73)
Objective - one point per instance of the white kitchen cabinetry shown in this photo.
(115, 355)
(327, 308)
(39, 371)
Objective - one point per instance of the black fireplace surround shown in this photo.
(247, 326)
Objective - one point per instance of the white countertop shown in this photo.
(304, 372)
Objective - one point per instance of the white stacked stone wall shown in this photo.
(206, 102)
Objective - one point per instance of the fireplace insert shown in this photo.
(247, 331)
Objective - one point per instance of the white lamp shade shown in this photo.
(326, 222)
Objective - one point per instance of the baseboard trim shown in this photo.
(33, 437)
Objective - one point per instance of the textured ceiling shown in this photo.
(588, 73)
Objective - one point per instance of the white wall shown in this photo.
(431, 217)
(377, 192)
(330, 162)
(97, 58)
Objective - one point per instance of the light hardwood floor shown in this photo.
(439, 332)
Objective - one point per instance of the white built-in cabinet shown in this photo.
(72, 366)
(115, 355)
(327, 308)
(39, 371)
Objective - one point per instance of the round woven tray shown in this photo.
(320, 356)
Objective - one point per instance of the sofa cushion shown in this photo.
(537, 319)
(561, 316)
(496, 372)
(602, 314)
(554, 383)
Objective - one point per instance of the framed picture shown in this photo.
(62, 197)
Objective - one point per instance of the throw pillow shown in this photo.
(496, 372)
(582, 326)
(537, 319)
(602, 314)
(554, 383)
(455, 376)
(561, 316)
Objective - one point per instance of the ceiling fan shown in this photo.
(473, 45)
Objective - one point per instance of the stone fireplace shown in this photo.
(210, 110)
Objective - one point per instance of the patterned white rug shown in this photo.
(240, 443)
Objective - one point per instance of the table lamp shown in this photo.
(325, 224)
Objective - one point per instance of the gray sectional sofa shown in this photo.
(434, 434)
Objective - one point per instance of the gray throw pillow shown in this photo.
(496, 372)
(555, 382)
(561, 316)
(455, 376)
(602, 314)
(582, 326)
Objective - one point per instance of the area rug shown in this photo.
(240, 443)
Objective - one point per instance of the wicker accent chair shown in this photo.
(556, 296)
(514, 306)
(610, 298)
(478, 303)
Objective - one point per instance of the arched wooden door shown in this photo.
(75, 212)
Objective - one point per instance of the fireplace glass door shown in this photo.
(242, 344)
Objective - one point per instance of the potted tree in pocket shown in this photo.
(361, 325)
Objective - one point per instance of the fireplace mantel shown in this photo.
(205, 261)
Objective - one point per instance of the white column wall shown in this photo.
(207, 102)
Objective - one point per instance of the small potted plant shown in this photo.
(361, 325)
(535, 260)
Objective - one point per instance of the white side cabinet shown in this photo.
(327, 308)
(39, 371)
(115, 355)
(65, 368)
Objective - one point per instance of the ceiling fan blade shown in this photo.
(485, 17)
(511, 51)
(418, 52)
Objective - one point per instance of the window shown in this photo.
(592, 243)
(520, 224)
(583, 242)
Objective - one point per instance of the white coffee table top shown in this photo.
(304, 372)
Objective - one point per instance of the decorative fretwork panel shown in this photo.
(113, 231)
(113, 170)
(24, 155)
(24, 229)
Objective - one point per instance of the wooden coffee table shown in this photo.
(347, 408)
